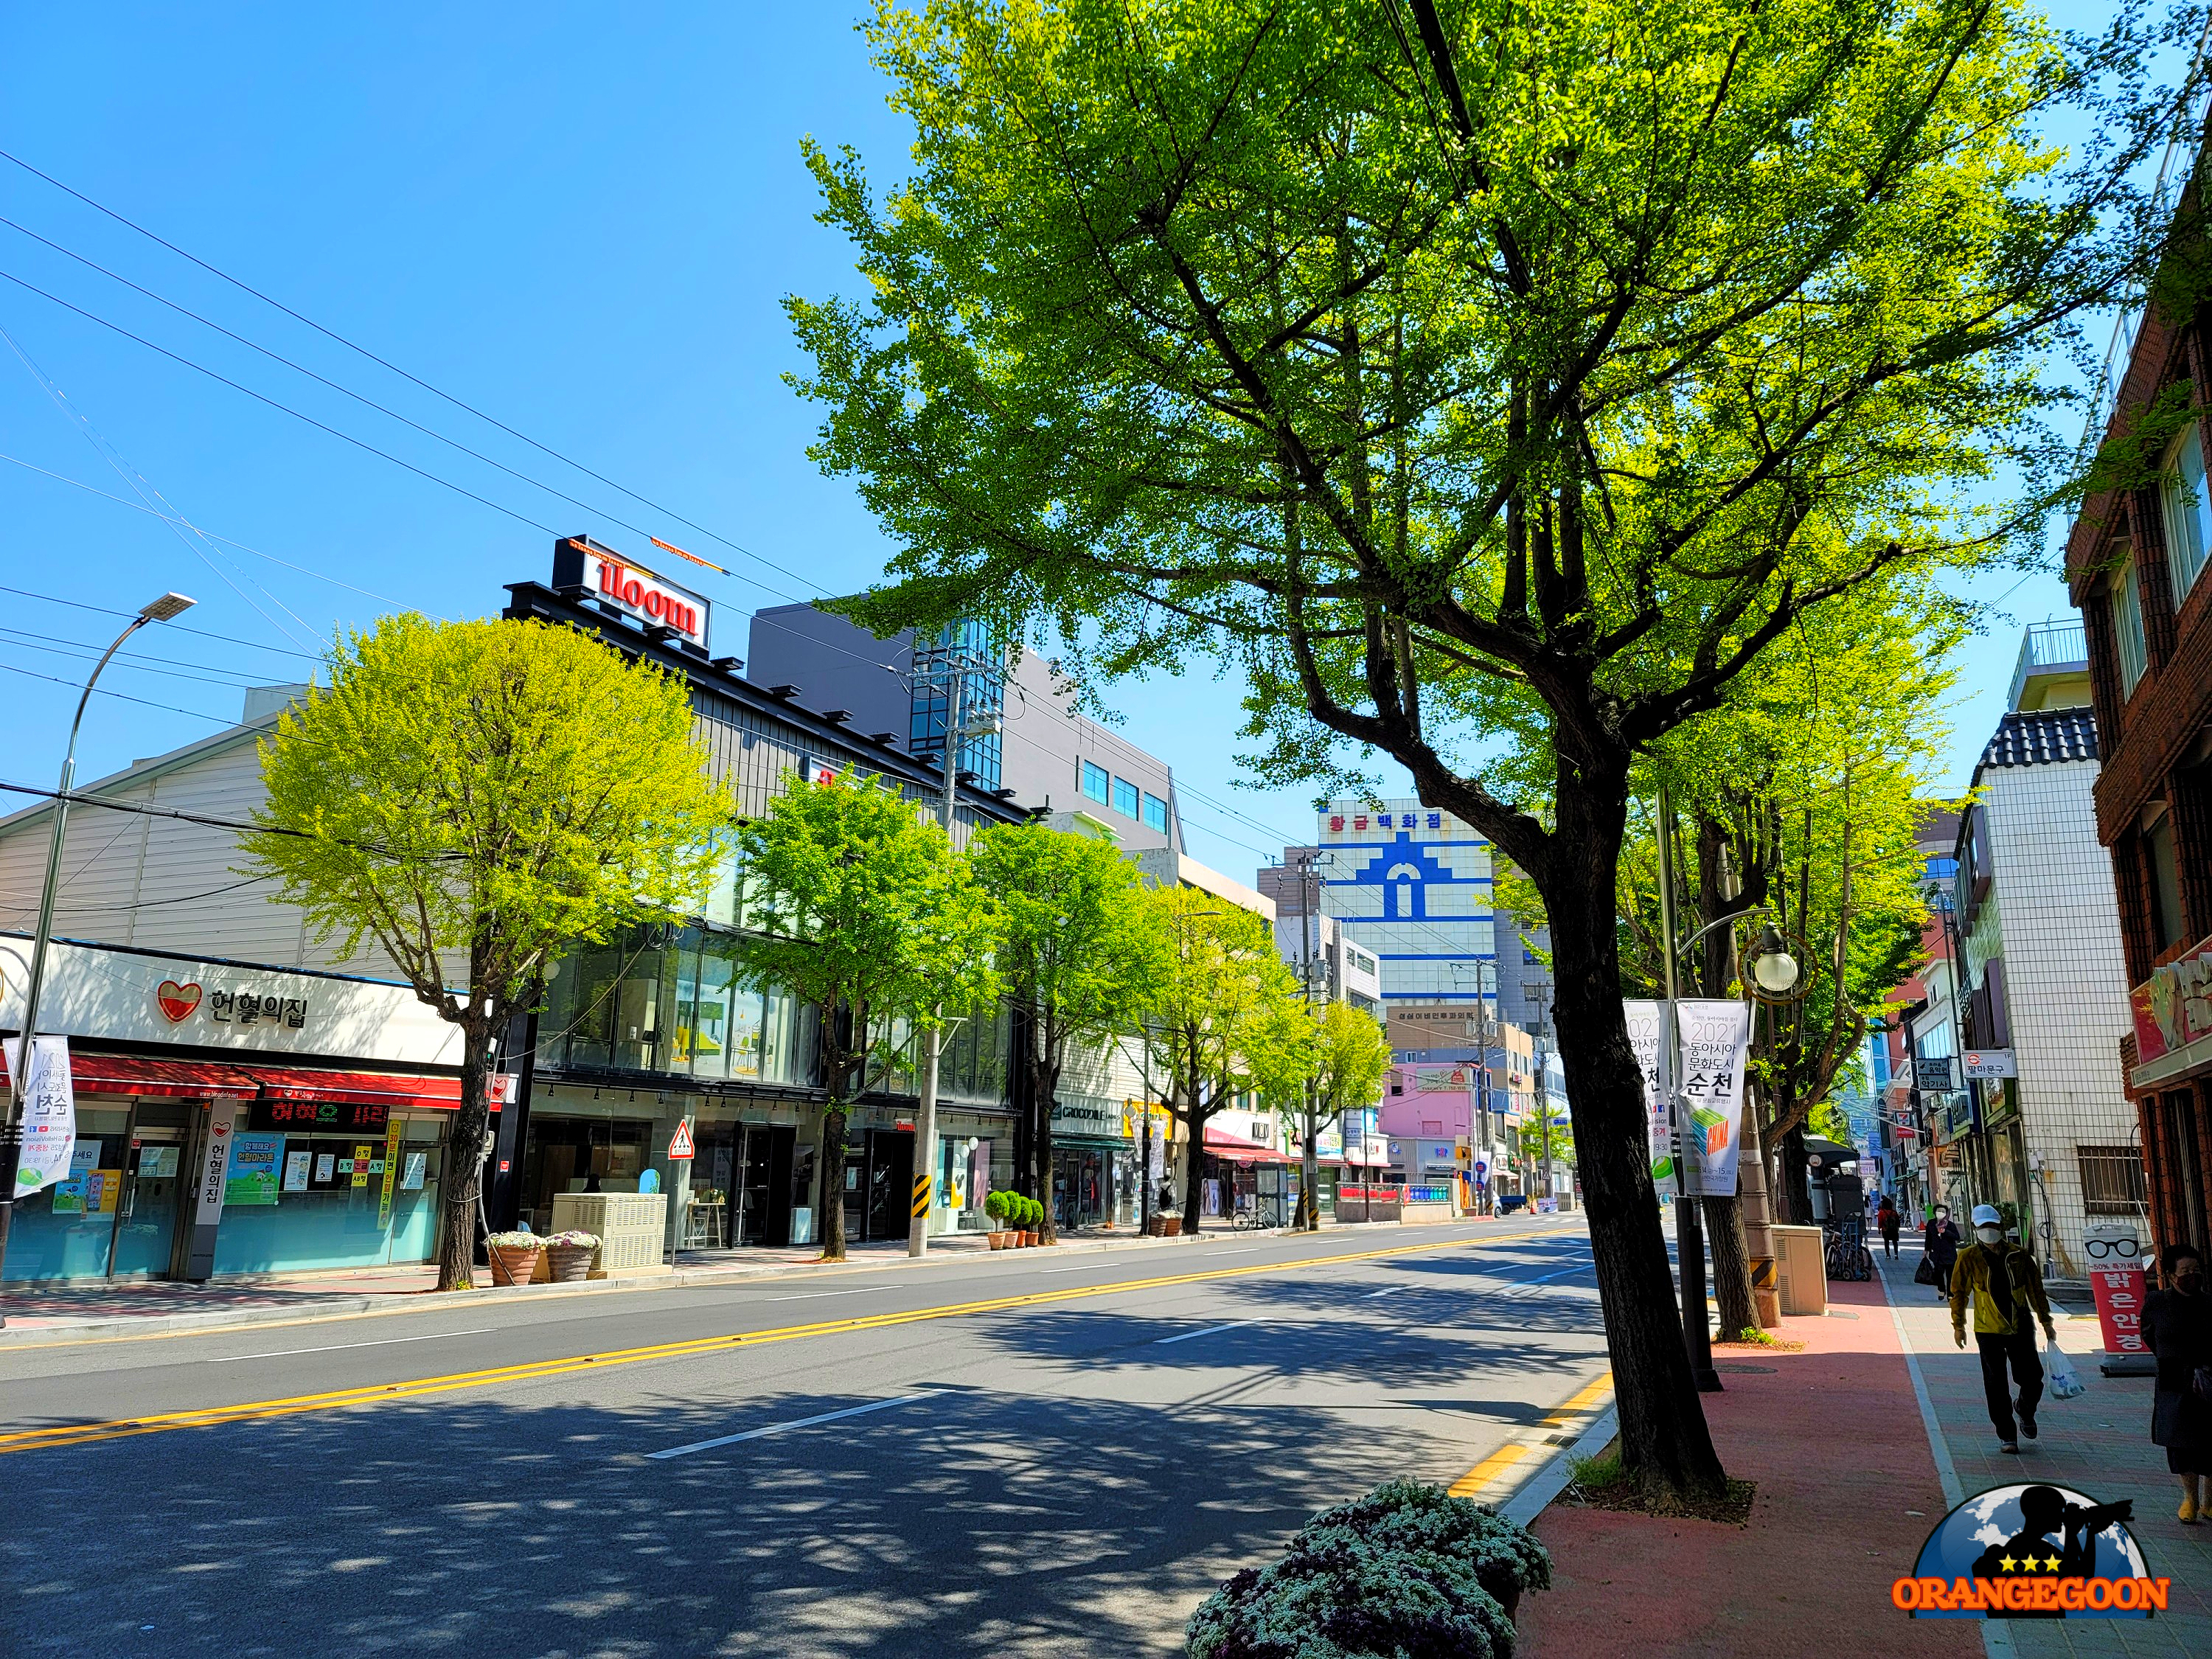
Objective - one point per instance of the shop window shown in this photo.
(1156, 814)
(2112, 1180)
(2165, 882)
(1095, 780)
(1125, 797)
(2126, 601)
(2188, 503)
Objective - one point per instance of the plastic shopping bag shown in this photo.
(2065, 1381)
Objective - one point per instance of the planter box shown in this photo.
(1164, 1226)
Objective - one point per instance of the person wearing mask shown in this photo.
(1939, 1239)
(2000, 1282)
(1886, 1217)
(2177, 1323)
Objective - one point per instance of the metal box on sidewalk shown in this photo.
(629, 1226)
(1801, 1261)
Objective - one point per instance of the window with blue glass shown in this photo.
(964, 650)
(1094, 779)
(1125, 797)
(1156, 814)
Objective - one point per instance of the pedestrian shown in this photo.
(1890, 1223)
(1939, 1240)
(2177, 1323)
(2000, 1282)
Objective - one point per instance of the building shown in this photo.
(1413, 885)
(1044, 756)
(1916, 1148)
(2135, 563)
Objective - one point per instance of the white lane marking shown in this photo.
(1250, 1249)
(1388, 1289)
(1087, 1268)
(339, 1347)
(1209, 1331)
(796, 1423)
(1579, 1266)
(810, 1295)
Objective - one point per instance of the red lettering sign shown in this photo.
(2119, 1292)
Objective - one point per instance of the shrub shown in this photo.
(1033, 1212)
(517, 1241)
(1406, 1572)
(995, 1205)
(576, 1238)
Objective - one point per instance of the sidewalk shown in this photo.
(1848, 1487)
(73, 1311)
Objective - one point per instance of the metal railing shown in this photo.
(2060, 644)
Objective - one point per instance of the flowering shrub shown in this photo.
(1406, 1572)
(516, 1241)
(576, 1238)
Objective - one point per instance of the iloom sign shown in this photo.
(579, 562)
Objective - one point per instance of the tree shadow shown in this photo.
(973, 1520)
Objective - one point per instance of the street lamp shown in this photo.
(11, 1133)
(1773, 967)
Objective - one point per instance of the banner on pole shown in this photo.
(1713, 1039)
(49, 1113)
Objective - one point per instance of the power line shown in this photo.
(385, 363)
(173, 627)
(79, 797)
(122, 696)
(394, 414)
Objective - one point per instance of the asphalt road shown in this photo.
(1028, 1455)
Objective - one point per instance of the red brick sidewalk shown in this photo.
(1847, 1492)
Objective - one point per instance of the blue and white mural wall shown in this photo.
(1413, 885)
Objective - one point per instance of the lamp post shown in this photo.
(11, 1133)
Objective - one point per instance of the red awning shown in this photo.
(198, 1079)
(1238, 1150)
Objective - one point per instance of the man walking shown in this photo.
(2001, 1282)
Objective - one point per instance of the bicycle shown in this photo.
(1848, 1257)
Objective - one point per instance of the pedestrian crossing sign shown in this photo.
(679, 1144)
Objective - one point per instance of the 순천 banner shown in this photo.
(1713, 1040)
(49, 1113)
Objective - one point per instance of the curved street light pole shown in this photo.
(11, 1133)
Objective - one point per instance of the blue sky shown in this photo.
(581, 220)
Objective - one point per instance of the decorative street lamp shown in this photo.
(1773, 968)
(11, 1128)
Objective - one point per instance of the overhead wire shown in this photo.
(382, 362)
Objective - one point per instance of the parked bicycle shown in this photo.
(1848, 1255)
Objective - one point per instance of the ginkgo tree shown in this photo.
(857, 904)
(1483, 381)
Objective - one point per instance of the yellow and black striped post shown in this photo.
(920, 1196)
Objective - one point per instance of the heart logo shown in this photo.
(177, 1001)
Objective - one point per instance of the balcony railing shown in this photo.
(2050, 646)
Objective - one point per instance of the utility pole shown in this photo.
(1689, 1227)
(932, 1048)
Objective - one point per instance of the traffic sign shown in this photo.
(1481, 1168)
(679, 1144)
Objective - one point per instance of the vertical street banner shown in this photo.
(393, 1131)
(1713, 1038)
(49, 1113)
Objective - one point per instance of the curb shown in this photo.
(404, 1302)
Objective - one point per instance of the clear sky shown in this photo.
(579, 219)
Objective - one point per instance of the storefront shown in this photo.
(244, 1090)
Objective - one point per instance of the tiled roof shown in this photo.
(2041, 738)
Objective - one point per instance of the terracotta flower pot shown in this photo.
(571, 1262)
(517, 1263)
(998, 1240)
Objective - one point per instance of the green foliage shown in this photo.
(857, 902)
(1406, 1569)
(477, 796)
(455, 797)
(1562, 1138)
(994, 1205)
(1342, 1053)
(1752, 1333)
(1224, 1009)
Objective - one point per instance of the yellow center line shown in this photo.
(337, 1400)
(1483, 1473)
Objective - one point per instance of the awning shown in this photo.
(198, 1079)
(1238, 1149)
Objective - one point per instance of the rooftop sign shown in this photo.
(615, 579)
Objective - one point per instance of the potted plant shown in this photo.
(1406, 1566)
(1032, 1213)
(571, 1252)
(514, 1256)
(994, 1205)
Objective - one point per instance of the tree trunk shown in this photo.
(833, 1181)
(464, 1175)
(1797, 1178)
(1194, 1161)
(1731, 1266)
(1665, 1445)
(1310, 1177)
(1048, 1228)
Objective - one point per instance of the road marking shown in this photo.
(1523, 1284)
(811, 1296)
(1388, 1289)
(78, 1434)
(1487, 1472)
(1250, 1249)
(797, 1423)
(1209, 1331)
(1087, 1268)
(340, 1347)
